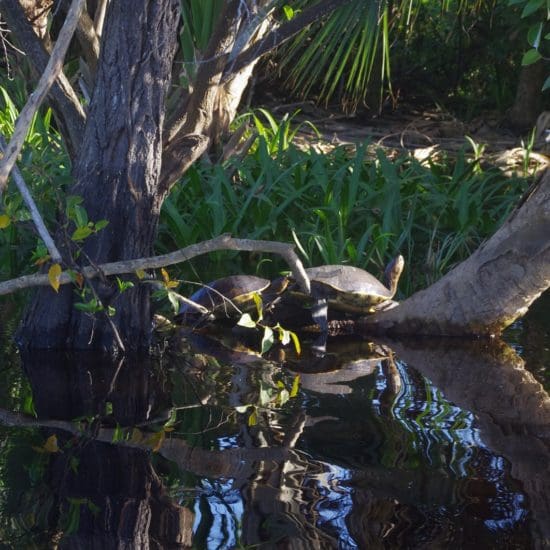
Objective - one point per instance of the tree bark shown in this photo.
(527, 106)
(492, 288)
(117, 174)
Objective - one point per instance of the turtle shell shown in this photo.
(226, 296)
(349, 288)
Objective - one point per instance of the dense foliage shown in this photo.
(359, 208)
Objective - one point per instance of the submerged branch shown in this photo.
(223, 242)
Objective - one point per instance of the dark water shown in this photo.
(417, 445)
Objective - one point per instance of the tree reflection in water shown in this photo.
(449, 449)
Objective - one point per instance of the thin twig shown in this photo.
(223, 242)
(54, 67)
(31, 205)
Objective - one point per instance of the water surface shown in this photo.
(413, 445)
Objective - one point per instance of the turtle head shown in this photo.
(393, 273)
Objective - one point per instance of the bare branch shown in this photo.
(281, 34)
(55, 64)
(31, 205)
(223, 242)
(99, 16)
(68, 110)
(189, 134)
(88, 39)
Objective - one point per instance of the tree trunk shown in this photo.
(527, 106)
(492, 288)
(117, 173)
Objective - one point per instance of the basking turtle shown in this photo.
(349, 289)
(352, 289)
(227, 297)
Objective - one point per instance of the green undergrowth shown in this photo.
(338, 209)
(45, 167)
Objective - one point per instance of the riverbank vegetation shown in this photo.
(132, 173)
(337, 206)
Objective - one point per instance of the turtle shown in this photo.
(226, 297)
(349, 289)
(354, 290)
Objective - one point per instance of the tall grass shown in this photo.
(339, 208)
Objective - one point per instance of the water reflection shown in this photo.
(435, 446)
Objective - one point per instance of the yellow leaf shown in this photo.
(295, 386)
(140, 273)
(296, 341)
(79, 280)
(51, 444)
(137, 436)
(49, 447)
(165, 275)
(42, 260)
(156, 440)
(53, 275)
(5, 221)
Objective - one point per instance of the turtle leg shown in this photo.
(319, 313)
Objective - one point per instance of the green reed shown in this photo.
(340, 208)
(337, 207)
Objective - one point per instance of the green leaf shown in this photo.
(118, 434)
(101, 224)
(94, 508)
(173, 299)
(546, 84)
(74, 463)
(80, 216)
(73, 516)
(259, 305)
(267, 340)
(266, 395)
(93, 306)
(246, 321)
(111, 311)
(80, 233)
(123, 285)
(283, 397)
(530, 57)
(533, 35)
(284, 336)
(531, 7)
(172, 420)
(288, 11)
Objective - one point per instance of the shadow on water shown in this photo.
(409, 444)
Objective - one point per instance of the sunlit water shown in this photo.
(232, 451)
